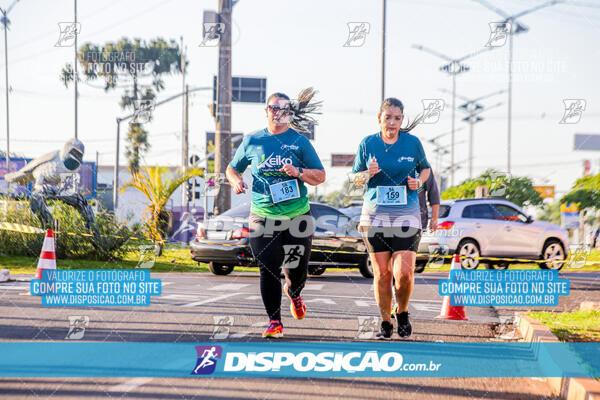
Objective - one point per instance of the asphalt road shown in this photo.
(204, 307)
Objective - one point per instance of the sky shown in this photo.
(299, 44)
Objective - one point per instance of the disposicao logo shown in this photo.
(307, 361)
(207, 359)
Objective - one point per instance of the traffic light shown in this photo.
(188, 190)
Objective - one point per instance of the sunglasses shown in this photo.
(275, 108)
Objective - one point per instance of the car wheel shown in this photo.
(420, 266)
(468, 250)
(553, 250)
(316, 269)
(220, 269)
(366, 268)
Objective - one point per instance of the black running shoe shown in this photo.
(404, 326)
(386, 331)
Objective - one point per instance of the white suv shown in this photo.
(495, 228)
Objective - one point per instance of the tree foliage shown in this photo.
(586, 192)
(136, 66)
(157, 184)
(519, 190)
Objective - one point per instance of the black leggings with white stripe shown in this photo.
(276, 244)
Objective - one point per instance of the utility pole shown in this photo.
(383, 55)
(75, 69)
(223, 120)
(116, 171)
(184, 138)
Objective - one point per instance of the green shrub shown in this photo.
(72, 242)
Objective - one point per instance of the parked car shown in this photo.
(423, 252)
(223, 243)
(495, 228)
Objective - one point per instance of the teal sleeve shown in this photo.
(360, 161)
(240, 162)
(310, 158)
(422, 162)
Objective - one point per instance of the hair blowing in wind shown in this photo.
(303, 110)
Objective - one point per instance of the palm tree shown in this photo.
(158, 184)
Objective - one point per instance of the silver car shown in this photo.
(494, 228)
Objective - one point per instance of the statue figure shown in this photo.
(45, 171)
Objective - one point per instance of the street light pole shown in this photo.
(5, 21)
(119, 120)
(453, 68)
(519, 28)
(509, 127)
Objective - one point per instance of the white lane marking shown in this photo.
(181, 296)
(427, 307)
(320, 300)
(129, 385)
(242, 334)
(166, 283)
(211, 300)
(314, 286)
(2, 287)
(253, 297)
(229, 286)
(361, 303)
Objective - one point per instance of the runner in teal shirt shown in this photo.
(267, 154)
(280, 224)
(393, 166)
(397, 161)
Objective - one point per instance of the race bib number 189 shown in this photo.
(391, 195)
(284, 191)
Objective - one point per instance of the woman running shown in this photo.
(280, 223)
(393, 165)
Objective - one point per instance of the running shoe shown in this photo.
(297, 306)
(386, 331)
(404, 326)
(275, 329)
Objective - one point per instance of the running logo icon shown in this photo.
(499, 32)
(293, 254)
(357, 34)
(432, 109)
(212, 33)
(78, 323)
(574, 108)
(68, 30)
(207, 359)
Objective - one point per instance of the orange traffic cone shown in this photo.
(47, 257)
(448, 310)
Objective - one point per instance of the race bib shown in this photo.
(286, 190)
(391, 195)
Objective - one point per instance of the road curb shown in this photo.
(533, 330)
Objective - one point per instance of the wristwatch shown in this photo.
(300, 170)
(420, 183)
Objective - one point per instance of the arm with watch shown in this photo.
(311, 176)
(414, 184)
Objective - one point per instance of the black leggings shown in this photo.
(274, 243)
